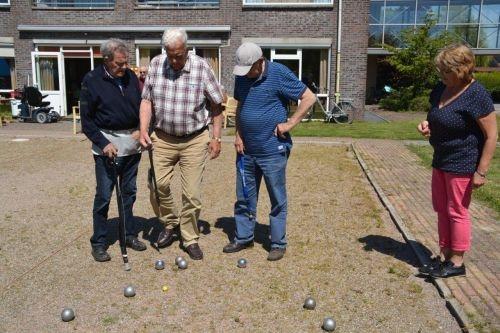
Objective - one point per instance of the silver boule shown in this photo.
(159, 264)
(242, 263)
(129, 291)
(67, 314)
(329, 324)
(177, 259)
(182, 264)
(309, 303)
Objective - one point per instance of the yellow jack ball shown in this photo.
(164, 288)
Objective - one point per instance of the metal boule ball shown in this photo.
(129, 291)
(177, 259)
(159, 264)
(67, 314)
(309, 303)
(329, 324)
(182, 264)
(242, 263)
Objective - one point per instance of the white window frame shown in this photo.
(277, 3)
(5, 4)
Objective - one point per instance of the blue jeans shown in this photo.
(106, 181)
(273, 169)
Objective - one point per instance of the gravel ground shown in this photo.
(343, 250)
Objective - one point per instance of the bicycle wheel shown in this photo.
(231, 121)
(344, 113)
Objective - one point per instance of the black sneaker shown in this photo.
(99, 253)
(448, 269)
(433, 265)
(135, 244)
(236, 247)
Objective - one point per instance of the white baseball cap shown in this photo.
(246, 55)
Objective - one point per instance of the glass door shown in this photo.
(291, 58)
(48, 76)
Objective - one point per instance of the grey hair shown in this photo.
(112, 45)
(172, 35)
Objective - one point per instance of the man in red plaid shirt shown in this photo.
(181, 88)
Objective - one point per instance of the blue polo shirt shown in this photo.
(263, 105)
(456, 137)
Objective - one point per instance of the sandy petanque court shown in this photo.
(343, 251)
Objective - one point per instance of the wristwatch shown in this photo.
(218, 139)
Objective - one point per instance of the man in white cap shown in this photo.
(263, 142)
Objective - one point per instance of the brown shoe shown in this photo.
(276, 254)
(166, 237)
(194, 251)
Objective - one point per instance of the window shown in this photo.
(437, 9)
(177, 3)
(490, 13)
(148, 53)
(74, 3)
(475, 22)
(7, 74)
(464, 11)
(211, 55)
(400, 12)
(489, 37)
(287, 2)
(4, 3)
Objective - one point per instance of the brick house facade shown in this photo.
(223, 27)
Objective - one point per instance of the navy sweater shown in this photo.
(104, 105)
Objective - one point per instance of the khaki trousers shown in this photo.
(191, 154)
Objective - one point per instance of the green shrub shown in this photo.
(491, 81)
(398, 100)
(420, 103)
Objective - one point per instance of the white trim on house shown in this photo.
(5, 4)
(279, 4)
(120, 28)
(67, 42)
(194, 42)
(293, 43)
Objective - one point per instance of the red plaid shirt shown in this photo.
(180, 98)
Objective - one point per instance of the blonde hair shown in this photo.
(456, 58)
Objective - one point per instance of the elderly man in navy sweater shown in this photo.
(109, 103)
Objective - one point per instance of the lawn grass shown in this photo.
(488, 194)
(5, 111)
(397, 130)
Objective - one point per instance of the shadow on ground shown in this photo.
(228, 225)
(150, 229)
(394, 248)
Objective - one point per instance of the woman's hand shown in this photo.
(424, 129)
(478, 180)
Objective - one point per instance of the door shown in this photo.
(48, 76)
(291, 58)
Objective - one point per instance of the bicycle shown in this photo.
(340, 113)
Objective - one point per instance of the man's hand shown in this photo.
(214, 148)
(283, 128)
(110, 151)
(238, 144)
(145, 140)
(424, 129)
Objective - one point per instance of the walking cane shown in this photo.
(152, 181)
(121, 220)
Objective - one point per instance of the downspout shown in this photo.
(339, 40)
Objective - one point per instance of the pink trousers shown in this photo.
(451, 195)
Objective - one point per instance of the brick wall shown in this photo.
(244, 22)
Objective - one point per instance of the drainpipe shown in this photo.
(339, 40)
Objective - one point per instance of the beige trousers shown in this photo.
(191, 155)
